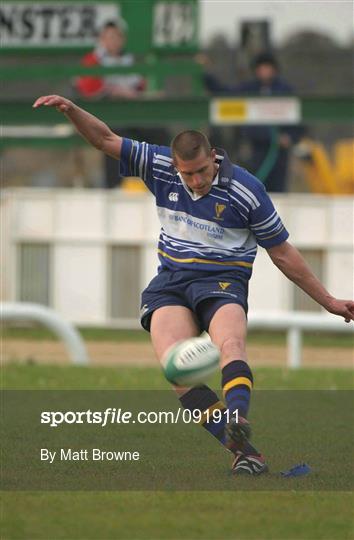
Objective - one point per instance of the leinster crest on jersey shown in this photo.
(219, 208)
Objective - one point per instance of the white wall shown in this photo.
(80, 225)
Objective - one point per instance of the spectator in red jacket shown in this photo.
(110, 52)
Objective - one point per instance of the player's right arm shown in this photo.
(96, 132)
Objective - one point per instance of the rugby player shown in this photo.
(213, 215)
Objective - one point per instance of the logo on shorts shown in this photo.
(219, 208)
(223, 285)
(173, 196)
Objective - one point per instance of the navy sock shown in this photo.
(237, 382)
(203, 399)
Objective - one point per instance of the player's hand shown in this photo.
(343, 308)
(62, 104)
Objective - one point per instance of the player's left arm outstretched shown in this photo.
(288, 259)
(135, 158)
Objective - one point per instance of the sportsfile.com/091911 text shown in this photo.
(114, 415)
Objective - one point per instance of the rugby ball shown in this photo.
(191, 361)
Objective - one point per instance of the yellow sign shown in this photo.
(256, 111)
(231, 109)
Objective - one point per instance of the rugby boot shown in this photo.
(249, 464)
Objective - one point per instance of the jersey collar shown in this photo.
(225, 168)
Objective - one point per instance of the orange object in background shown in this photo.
(326, 175)
(133, 184)
(344, 165)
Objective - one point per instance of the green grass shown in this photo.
(314, 339)
(233, 514)
(38, 377)
(182, 515)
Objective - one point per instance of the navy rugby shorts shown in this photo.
(201, 292)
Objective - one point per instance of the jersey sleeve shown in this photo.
(264, 220)
(137, 159)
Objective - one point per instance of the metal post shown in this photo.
(294, 342)
(18, 311)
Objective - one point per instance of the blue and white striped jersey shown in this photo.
(215, 232)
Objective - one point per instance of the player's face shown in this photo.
(198, 173)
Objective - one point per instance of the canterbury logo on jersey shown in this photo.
(223, 285)
(173, 197)
(219, 208)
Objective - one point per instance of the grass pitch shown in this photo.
(237, 514)
(38, 332)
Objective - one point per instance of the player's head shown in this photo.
(112, 36)
(265, 67)
(194, 159)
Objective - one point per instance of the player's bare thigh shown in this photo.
(168, 325)
(228, 330)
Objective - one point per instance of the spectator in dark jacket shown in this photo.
(270, 145)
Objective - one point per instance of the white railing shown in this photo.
(295, 323)
(20, 311)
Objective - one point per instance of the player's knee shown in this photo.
(233, 348)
